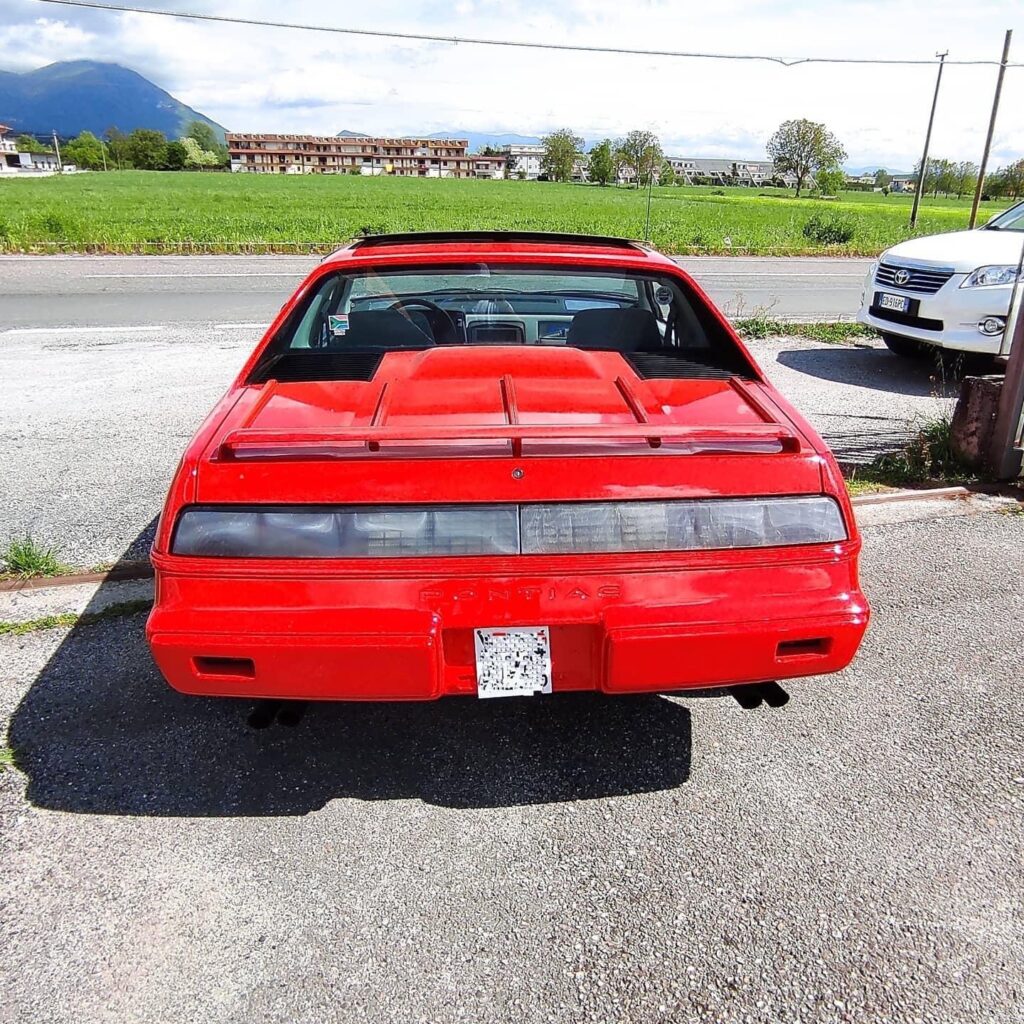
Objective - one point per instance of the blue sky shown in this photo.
(274, 80)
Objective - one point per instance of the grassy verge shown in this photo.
(927, 461)
(7, 758)
(151, 211)
(114, 611)
(832, 332)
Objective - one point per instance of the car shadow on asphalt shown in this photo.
(100, 732)
(874, 368)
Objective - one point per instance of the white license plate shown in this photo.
(900, 303)
(513, 661)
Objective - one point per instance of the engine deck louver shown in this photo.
(316, 365)
(650, 365)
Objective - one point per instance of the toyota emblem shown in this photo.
(901, 277)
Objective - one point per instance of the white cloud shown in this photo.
(274, 79)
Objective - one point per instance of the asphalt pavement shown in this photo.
(855, 856)
(118, 291)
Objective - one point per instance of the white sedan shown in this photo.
(949, 291)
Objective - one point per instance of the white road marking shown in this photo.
(121, 277)
(779, 278)
(136, 329)
(119, 329)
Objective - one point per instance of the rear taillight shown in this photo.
(480, 530)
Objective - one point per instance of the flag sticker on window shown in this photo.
(338, 324)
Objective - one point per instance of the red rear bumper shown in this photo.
(317, 636)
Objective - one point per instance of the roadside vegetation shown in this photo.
(833, 332)
(114, 611)
(928, 460)
(154, 211)
(26, 558)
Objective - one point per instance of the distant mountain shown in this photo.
(85, 95)
(871, 168)
(477, 140)
(346, 134)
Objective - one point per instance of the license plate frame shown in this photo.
(512, 661)
(893, 303)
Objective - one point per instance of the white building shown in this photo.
(14, 162)
(9, 156)
(524, 161)
(752, 173)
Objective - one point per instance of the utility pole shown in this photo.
(1007, 440)
(991, 128)
(927, 142)
(650, 186)
(56, 146)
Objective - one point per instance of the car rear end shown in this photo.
(501, 520)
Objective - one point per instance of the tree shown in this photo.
(30, 144)
(601, 167)
(85, 150)
(883, 179)
(147, 149)
(208, 140)
(641, 152)
(965, 177)
(1013, 178)
(945, 176)
(177, 155)
(666, 176)
(925, 182)
(117, 147)
(195, 157)
(803, 147)
(830, 181)
(561, 151)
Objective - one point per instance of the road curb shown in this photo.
(122, 571)
(931, 494)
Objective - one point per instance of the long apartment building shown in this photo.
(348, 154)
(727, 172)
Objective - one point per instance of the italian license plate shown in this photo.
(898, 303)
(513, 662)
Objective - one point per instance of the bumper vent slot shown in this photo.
(814, 647)
(236, 668)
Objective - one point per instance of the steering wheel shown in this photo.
(403, 304)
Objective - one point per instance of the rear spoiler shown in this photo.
(339, 442)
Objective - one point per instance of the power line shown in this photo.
(514, 43)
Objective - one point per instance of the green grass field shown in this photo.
(140, 211)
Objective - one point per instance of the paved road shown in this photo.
(856, 856)
(98, 291)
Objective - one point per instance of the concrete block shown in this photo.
(974, 419)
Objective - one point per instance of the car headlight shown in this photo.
(547, 529)
(987, 277)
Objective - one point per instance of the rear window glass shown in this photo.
(490, 304)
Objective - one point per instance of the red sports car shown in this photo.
(502, 463)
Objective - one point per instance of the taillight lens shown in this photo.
(349, 533)
(543, 529)
(679, 525)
